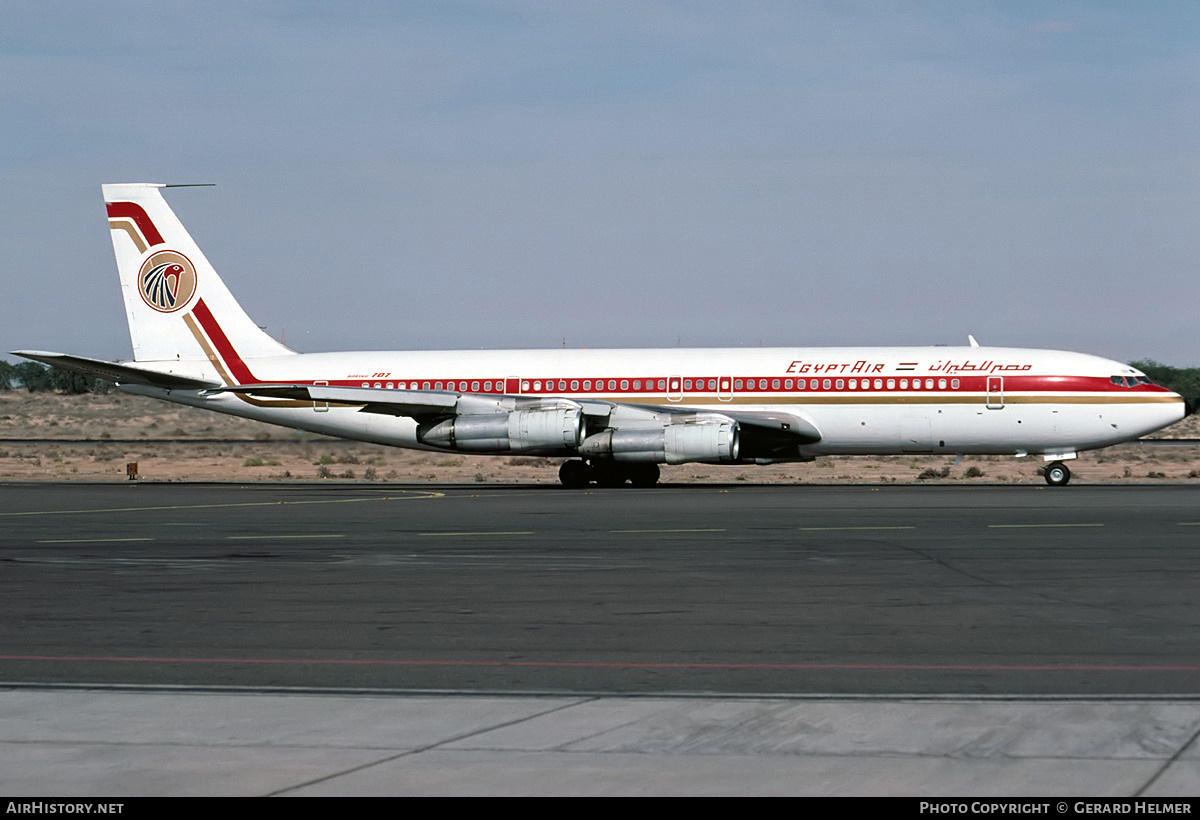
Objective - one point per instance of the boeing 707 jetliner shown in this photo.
(615, 414)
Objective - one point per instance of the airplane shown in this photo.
(616, 415)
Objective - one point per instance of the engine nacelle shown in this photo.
(672, 443)
(520, 431)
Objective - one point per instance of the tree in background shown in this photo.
(35, 378)
(1183, 380)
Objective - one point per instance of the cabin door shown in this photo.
(995, 392)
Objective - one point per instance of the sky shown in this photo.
(416, 175)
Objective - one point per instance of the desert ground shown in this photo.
(93, 437)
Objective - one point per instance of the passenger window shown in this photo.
(812, 384)
(954, 384)
(854, 384)
(624, 384)
(891, 384)
(587, 384)
(774, 384)
(612, 384)
(941, 384)
(839, 384)
(787, 384)
(825, 384)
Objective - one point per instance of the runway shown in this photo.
(888, 591)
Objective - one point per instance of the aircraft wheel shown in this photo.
(644, 475)
(609, 475)
(1057, 474)
(574, 475)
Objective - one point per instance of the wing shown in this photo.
(489, 423)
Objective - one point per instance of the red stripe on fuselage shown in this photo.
(131, 210)
(237, 368)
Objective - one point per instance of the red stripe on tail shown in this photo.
(237, 368)
(131, 210)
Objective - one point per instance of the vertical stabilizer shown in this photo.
(178, 308)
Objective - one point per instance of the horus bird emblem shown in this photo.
(160, 285)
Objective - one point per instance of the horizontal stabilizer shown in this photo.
(115, 371)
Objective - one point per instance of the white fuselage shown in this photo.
(970, 400)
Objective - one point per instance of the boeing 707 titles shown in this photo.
(616, 415)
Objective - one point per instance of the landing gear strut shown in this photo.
(575, 475)
(1057, 474)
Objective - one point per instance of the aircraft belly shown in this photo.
(971, 428)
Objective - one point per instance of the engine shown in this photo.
(672, 443)
(520, 431)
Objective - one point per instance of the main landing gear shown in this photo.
(1057, 474)
(575, 475)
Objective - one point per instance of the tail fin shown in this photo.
(178, 308)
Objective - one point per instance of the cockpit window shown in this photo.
(1129, 381)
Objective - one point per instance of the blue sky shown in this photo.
(405, 175)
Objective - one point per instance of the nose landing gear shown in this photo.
(1057, 474)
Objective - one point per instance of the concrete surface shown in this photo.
(81, 742)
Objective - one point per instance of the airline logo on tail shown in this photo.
(167, 279)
